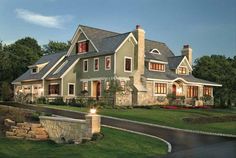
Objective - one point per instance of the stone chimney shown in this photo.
(187, 51)
(139, 34)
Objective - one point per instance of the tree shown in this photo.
(15, 58)
(219, 69)
(55, 47)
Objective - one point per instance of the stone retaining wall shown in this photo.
(26, 130)
(68, 130)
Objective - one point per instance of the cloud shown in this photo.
(42, 20)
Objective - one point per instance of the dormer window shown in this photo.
(156, 67)
(155, 51)
(82, 47)
(182, 70)
(34, 70)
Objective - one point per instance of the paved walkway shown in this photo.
(184, 144)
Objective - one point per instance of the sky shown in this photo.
(208, 26)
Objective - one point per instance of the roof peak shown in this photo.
(98, 29)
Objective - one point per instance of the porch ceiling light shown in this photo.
(20, 90)
(93, 111)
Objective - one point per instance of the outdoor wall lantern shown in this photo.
(93, 111)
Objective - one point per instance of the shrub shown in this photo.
(58, 101)
(42, 100)
(74, 102)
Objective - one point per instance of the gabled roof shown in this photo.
(174, 61)
(51, 59)
(69, 61)
(107, 42)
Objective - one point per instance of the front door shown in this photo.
(174, 89)
(96, 89)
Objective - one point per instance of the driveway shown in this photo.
(184, 144)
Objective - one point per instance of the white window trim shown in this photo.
(54, 94)
(84, 65)
(105, 62)
(156, 94)
(83, 85)
(68, 89)
(131, 64)
(94, 64)
(152, 51)
(37, 70)
(149, 67)
(183, 67)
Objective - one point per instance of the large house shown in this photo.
(96, 57)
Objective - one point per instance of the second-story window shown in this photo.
(128, 64)
(96, 64)
(182, 70)
(82, 47)
(156, 67)
(34, 70)
(107, 62)
(85, 65)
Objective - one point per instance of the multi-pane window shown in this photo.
(157, 67)
(160, 88)
(122, 84)
(85, 65)
(207, 91)
(53, 89)
(192, 91)
(71, 89)
(96, 64)
(128, 64)
(107, 85)
(82, 47)
(34, 70)
(182, 70)
(108, 63)
(85, 86)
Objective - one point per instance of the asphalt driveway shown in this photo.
(184, 144)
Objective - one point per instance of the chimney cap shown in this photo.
(138, 26)
(186, 46)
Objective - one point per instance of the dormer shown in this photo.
(154, 65)
(184, 67)
(37, 67)
(155, 51)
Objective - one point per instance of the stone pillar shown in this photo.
(93, 123)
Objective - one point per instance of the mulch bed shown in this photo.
(213, 119)
(176, 107)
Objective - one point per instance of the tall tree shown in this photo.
(15, 58)
(218, 68)
(55, 47)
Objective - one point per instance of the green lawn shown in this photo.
(171, 118)
(114, 144)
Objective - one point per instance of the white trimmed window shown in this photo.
(85, 86)
(182, 70)
(71, 89)
(108, 63)
(34, 70)
(156, 66)
(122, 84)
(160, 88)
(85, 65)
(128, 64)
(96, 64)
(107, 85)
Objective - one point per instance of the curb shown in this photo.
(139, 133)
(172, 128)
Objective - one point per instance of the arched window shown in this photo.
(155, 51)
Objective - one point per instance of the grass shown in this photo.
(115, 144)
(167, 117)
